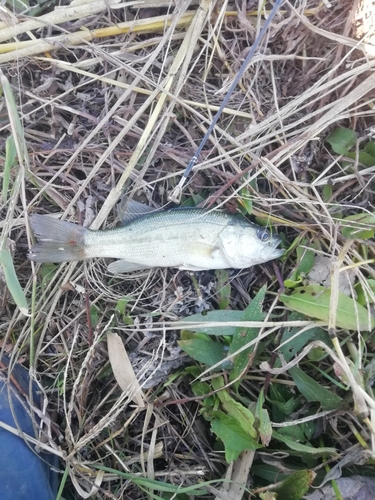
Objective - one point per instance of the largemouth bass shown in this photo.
(186, 238)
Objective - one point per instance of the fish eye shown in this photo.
(263, 234)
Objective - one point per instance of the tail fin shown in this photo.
(58, 241)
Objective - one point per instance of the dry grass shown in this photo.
(115, 98)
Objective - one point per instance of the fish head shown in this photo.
(248, 245)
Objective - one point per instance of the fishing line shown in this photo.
(175, 196)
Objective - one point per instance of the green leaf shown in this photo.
(243, 336)
(309, 429)
(245, 200)
(18, 5)
(234, 409)
(359, 226)
(265, 428)
(188, 335)
(294, 432)
(204, 351)
(296, 485)
(94, 316)
(313, 390)
(223, 287)
(363, 297)
(242, 415)
(121, 305)
(234, 438)
(14, 118)
(10, 156)
(305, 258)
(283, 402)
(47, 272)
(268, 472)
(246, 203)
(314, 301)
(12, 282)
(282, 408)
(175, 496)
(364, 158)
(121, 308)
(327, 192)
(368, 160)
(370, 149)
(201, 388)
(292, 348)
(154, 484)
(293, 283)
(302, 448)
(305, 262)
(341, 140)
(213, 316)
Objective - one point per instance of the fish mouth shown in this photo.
(277, 252)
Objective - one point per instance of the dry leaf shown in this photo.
(123, 370)
(321, 274)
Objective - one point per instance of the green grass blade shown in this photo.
(14, 119)
(12, 282)
(10, 155)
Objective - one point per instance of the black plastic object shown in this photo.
(25, 474)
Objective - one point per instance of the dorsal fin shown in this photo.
(129, 210)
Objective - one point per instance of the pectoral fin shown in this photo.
(121, 266)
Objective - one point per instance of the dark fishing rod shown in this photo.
(176, 193)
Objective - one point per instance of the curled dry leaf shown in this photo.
(122, 368)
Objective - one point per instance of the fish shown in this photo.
(192, 239)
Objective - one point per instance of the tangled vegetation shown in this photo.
(165, 384)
